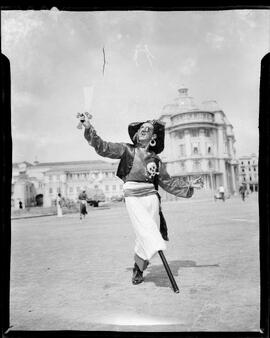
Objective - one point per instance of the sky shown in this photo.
(57, 70)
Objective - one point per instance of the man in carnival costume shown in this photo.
(142, 172)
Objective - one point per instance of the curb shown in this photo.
(55, 214)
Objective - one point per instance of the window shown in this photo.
(250, 178)
(51, 190)
(182, 166)
(71, 189)
(195, 150)
(114, 187)
(210, 164)
(197, 165)
(207, 132)
(194, 132)
(243, 170)
(182, 150)
(106, 186)
(180, 135)
(242, 162)
(209, 150)
(248, 162)
(58, 190)
(244, 178)
(78, 189)
(249, 169)
(254, 169)
(58, 177)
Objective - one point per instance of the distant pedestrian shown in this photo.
(222, 192)
(83, 204)
(59, 205)
(243, 191)
(20, 205)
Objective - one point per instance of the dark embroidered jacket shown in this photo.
(126, 152)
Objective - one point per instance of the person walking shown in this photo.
(59, 205)
(142, 172)
(242, 191)
(83, 204)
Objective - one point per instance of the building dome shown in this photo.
(184, 102)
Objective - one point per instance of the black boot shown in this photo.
(137, 277)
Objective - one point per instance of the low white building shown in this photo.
(67, 178)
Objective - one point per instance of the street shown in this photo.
(68, 274)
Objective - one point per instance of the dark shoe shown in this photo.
(137, 277)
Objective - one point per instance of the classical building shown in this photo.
(22, 188)
(199, 141)
(39, 183)
(248, 171)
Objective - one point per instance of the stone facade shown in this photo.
(33, 182)
(248, 171)
(199, 141)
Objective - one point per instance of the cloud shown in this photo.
(215, 41)
(188, 66)
(14, 29)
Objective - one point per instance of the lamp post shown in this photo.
(212, 181)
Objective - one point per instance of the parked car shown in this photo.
(95, 196)
(218, 196)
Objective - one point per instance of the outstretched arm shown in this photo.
(176, 185)
(103, 148)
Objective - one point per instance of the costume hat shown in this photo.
(159, 130)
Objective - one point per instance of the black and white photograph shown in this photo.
(135, 169)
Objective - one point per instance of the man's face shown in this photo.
(145, 132)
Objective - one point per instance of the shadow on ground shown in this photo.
(157, 274)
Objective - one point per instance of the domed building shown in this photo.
(199, 141)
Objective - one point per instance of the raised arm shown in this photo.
(174, 185)
(103, 148)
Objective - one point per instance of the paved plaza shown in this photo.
(68, 274)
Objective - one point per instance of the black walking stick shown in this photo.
(168, 270)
